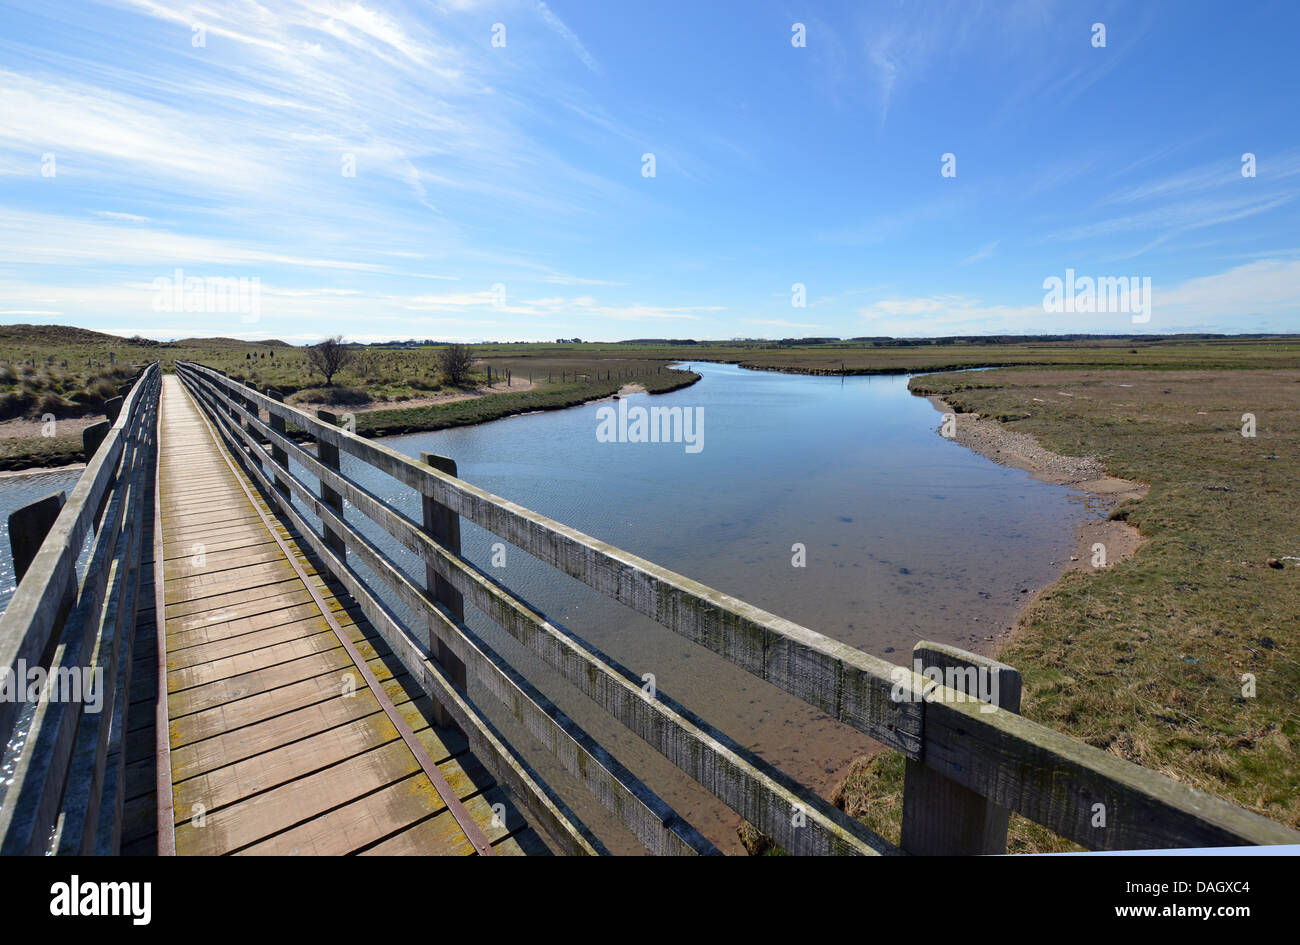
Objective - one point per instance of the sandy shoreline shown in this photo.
(430, 400)
(41, 470)
(1085, 474)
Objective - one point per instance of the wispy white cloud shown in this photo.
(1260, 296)
(555, 23)
(779, 323)
(984, 252)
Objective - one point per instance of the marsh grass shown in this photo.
(1146, 659)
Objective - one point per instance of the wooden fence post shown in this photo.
(113, 408)
(443, 526)
(92, 436)
(28, 527)
(247, 404)
(941, 817)
(328, 454)
(279, 453)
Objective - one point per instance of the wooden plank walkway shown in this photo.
(277, 744)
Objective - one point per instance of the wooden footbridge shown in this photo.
(203, 656)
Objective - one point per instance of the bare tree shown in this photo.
(455, 361)
(329, 357)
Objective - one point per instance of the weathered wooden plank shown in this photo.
(260, 707)
(233, 745)
(232, 828)
(1059, 782)
(254, 642)
(395, 809)
(189, 677)
(262, 680)
(491, 811)
(29, 622)
(219, 630)
(189, 614)
(277, 762)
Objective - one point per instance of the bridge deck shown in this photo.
(277, 743)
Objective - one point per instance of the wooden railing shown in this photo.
(64, 763)
(969, 762)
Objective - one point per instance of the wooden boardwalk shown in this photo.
(277, 742)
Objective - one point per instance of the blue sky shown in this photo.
(500, 190)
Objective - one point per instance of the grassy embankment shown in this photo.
(70, 372)
(1146, 659)
(917, 355)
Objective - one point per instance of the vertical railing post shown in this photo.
(92, 436)
(278, 453)
(328, 454)
(247, 403)
(28, 527)
(942, 817)
(251, 406)
(227, 397)
(443, 526)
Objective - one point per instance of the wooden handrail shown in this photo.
(1048, 777)
(68, 768)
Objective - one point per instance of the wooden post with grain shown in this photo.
(443, 526)
(942, 817)
(28, 527)
(278, 453)
(329, 455)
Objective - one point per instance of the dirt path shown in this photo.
(22, 428)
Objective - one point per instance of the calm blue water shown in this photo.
(908, 536)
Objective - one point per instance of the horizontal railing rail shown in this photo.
(66, 646)
(997, 757)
